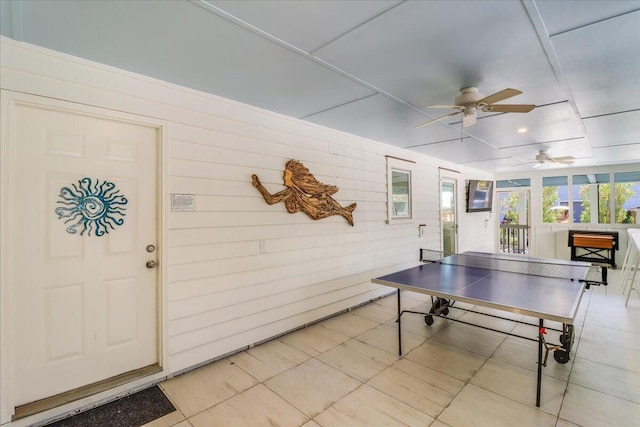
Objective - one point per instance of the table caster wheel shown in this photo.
(440, 307)
(434, 307)
(561, 356)
(428, 319)
(566, 339)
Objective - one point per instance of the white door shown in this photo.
(83, 211)
(449, 215)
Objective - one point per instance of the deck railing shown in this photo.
(514, 238)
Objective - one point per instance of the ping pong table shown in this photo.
(546, 289)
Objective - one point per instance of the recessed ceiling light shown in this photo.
(522, 130)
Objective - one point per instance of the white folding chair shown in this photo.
(629, 260)
(633, 263)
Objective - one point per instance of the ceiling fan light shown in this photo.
(468, 120)
(470, 111)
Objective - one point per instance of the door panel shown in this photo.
(83, 211)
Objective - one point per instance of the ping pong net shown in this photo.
(515, 264)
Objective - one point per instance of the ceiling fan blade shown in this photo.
(458, 107)
(499, 96)
(537, 165)
(508, 108)
(566, 160)
(438, 119)
(469, 120)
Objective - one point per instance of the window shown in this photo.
(591, 198)
(599, 198)
(401, 193)
(399, 189)
(555, 199)
(627, 197)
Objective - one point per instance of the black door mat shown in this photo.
(130, 411)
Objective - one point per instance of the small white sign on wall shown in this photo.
(183, 202)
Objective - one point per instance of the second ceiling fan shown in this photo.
(470, 100)
(543, 157)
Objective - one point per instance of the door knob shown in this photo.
(151, 264)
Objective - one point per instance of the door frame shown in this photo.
(527, 194)
(8, 99)
(453, 181)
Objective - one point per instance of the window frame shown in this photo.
(404, 167)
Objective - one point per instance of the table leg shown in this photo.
(399, 326)
(538, 390)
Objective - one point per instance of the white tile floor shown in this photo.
(345, 371)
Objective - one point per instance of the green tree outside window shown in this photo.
(550, 198)
(623, 193)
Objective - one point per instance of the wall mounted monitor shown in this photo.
(480, 196)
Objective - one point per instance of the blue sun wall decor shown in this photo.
(94, 207)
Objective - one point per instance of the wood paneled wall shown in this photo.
(238, 271)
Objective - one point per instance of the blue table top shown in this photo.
(532, 295)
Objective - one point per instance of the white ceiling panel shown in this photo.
(601, 63)
(499, 165)
(185, 44)
(379, 118)
(413, 53)
(565, 15)
(307, 25)
(465, 151)
(618, 155)
(614, 129)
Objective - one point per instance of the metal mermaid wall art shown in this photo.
(304, 193)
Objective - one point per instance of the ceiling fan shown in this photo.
(470, 100)
(543, 157)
